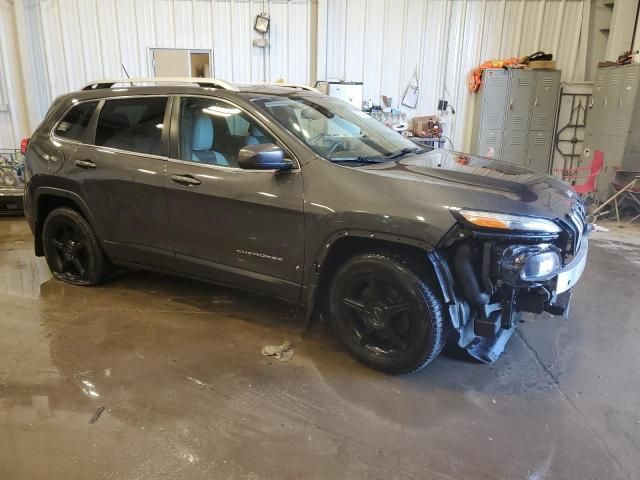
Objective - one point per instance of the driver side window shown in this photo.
(212, 132)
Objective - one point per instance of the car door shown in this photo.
(120, 173)
(230, 225)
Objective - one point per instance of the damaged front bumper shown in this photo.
(487, 288)
(572, 272)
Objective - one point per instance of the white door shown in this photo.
(180, 62)
(171, 63)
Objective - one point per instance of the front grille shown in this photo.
(575, 225)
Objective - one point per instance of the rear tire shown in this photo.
(71, 248)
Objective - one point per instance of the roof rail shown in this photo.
(299, 86)
(203, 82)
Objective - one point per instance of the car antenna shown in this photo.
(125, 72)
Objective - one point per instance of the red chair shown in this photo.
(589, 186)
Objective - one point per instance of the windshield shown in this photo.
(336, 130)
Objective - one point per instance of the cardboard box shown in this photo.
(419, 124)
(543, 64)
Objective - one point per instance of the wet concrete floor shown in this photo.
(187, 394)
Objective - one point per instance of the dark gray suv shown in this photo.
(289, 192)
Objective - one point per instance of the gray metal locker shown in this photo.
(514, 146)
(519, 100)
(627, 93)
(611, 91)
(545, 99)
(539, 150)
(494, 99)
(490, 144)
(509, 106)
(597, 113)
(613, 123)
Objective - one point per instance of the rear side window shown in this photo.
(74, 124)
(133, 124)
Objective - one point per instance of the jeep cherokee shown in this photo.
(286, 191)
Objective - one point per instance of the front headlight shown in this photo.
(522, 264)
(503, 221)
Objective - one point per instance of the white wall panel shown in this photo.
(392, 40)
(70, 25)
(379, 43)
(431, 69)
(74, 41)
(165, 24)
(353, 57)
(570, 54)
(531, 26)
(202, 28)
(372, 62)
(13, 115)
(128, 39)
(146, 33)
(54, 48)
(242, 24)
(89, 39)
(511, 28)
(35, 68)
(222, 54)
(183, 23)
(7, 135)
(299, 41)
(109, 43)
(490, 43)
(470, 51)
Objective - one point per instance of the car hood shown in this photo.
(465, 181)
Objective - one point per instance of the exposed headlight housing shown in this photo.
(503, 221)
(523, 264)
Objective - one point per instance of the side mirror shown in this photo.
(264, 156)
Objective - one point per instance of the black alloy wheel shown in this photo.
(71, 248)
(386, 315)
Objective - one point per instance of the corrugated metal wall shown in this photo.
(75, 41)
(379, 42)
(382, 42)
(7, 134)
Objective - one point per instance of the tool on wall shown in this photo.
(410, 97)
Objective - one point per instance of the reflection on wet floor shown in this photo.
(21, 273)
(177, 366)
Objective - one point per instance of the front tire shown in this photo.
(71, 248)
(385, 314)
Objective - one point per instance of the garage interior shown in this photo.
(154, 376)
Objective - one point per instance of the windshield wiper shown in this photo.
(362, 159)
(403, 152)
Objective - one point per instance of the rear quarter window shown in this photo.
(73, 125)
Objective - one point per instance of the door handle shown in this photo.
(186, 180)
(85, 164)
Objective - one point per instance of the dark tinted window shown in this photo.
(213, 132)
(74, 124)
(133, 124)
